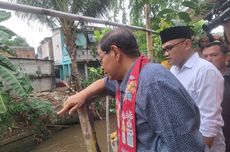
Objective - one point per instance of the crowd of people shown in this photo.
(184, 109)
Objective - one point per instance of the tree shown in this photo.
(91, 8)
(165, 14)
(8, 37)
(15, 41)
(83, 7)
(4, 31)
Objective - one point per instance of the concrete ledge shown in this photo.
(22, 143)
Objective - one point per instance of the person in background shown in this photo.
(166, 64)
(227, 61)
(205, 40)
(215, 52)
(202, 42)
(201, 79)
(154, 111)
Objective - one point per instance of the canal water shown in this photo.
(71, 139)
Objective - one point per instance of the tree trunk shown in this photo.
(149, 38)
(86, 120)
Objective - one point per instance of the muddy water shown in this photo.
(71, 139)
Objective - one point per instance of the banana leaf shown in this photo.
(5, 62)
(5, 48)
(2, 105)
(15, 82)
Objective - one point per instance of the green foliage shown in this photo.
(198, 7)
(4, 31)
(87, 8)
(157, 49)
(6, 48)
(4, 15)
(3, 98)
(14, 81)
(94, 74)
(5, 62)
(36, 111)
(7, 36)
(184, 16)
(141, 40)
(32, 112)
(98, 34)
(15, 41)
(16, 105)
(165, 14)
(190, 4)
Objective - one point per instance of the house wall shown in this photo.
(61, 57)
(45, 50)
(41, 72)
(57, 47)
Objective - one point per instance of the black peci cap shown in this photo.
(176, 32)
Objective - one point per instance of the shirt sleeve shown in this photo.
(209, 88)
(110, 86)
(173, 115)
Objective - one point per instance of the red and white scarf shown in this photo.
(126, 121)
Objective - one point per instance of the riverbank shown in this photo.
(71, 139)
(23, 134)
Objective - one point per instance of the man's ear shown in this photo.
(117, 52)
(188, 43)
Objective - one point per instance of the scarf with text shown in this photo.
(126, 121)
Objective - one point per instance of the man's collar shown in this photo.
(191, 61)
(123, 83)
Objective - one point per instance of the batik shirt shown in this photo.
(167, 119)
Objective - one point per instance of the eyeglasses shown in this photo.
(100, 58)
(170, 47)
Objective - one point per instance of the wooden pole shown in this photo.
(107, 123)
(49, 12)
(87, 126)
(149, 34)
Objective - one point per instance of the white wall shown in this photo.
(57, 47)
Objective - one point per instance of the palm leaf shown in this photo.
(5, 62)
(15, 82)
(4, 15)
(7, 31)
(3, 98)
(5, 48)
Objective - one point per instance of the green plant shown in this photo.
(34, 112)
(16, 104)
(94, 74)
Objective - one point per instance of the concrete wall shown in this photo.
(41, 72)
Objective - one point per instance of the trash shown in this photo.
(113, 141)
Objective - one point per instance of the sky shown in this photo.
(33, 34)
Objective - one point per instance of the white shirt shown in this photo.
(205, 84)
